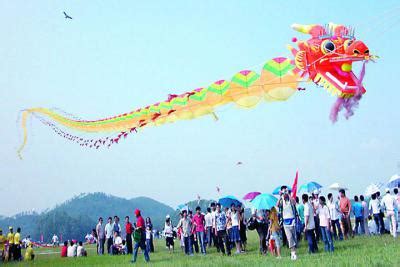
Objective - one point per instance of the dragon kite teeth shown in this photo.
(326, 58)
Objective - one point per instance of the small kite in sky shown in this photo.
(67, 16)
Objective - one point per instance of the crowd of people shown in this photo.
(11, 246)
(311, 217)
(137, 235)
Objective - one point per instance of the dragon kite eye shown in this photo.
(355, 51)
(366, 52)
(328, 47)
(347, 43)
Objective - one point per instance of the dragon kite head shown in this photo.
(327, 58)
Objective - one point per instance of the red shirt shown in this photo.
(128, 228)
(140, 222)
(344, 204)
(64, 251)
(199, 221)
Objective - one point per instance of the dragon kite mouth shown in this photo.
(339, 79)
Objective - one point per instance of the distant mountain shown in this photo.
(77, 216)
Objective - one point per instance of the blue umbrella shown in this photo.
(264, 201)
(182, 207)
(278, 189)
(309, 187)
(394, 181)
(227, 201)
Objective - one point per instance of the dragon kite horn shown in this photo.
(312, 29)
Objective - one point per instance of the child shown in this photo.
(80, 251)
(325, 224)
(148, 239)
(275, 240)
(29, 255)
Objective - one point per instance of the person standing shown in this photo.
(109, 235)
(185, 224)
(140, 237)
(274, 232)
(17, 245)
(300, 219)
(214, 237)
(358, 216)
(309, 225)
(365, 214)
(325, 225)
(116, 226)
(334, 212)
(243, 228)
(389, 204)
(374, 209)
(288, 214)
(381, 213)
(149, 225)
(345, 209)
(235, 230)
(100, 236)
(10, 240)
(316, 206)
(209, 227)
(128, 237)
(169, 234)
(2, 245)
(198, 225)
(220, 231)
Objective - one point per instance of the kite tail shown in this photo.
(25, 115)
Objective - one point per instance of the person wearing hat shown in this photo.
(140, 237)
(169, 234)
(2, 244)
(10, 239)
(389, 204)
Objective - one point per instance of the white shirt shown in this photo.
(333, 210)
(235, 218)
(55, 239)
(374, 206)
(168, 230)
(209, 219)
(324, 216)
(109, 230)
(213, 216)
(71, 251)
(316, 206)
(388, 202)
(309, 213)
(79, 251)
(118, 241)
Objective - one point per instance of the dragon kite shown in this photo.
(326, 59)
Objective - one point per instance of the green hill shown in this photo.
(77, 216)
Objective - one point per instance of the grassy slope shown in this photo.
(360, 251)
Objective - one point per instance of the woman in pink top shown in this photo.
(325, 224)
(198, 223)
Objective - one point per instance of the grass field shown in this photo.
(360, 251)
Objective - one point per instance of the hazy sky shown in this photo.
(115, 57)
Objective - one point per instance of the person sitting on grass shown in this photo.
(71, 252)
(117, 246)
(124, 248)
(64, 249)
(81, 251)
(29, 255)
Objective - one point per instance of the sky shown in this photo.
(118, 56)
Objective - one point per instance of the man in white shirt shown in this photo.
(100, 237)
(309, 225)
(365, 214)
(389, 204)
(334, 211)
(375, 209)
(117, 246)
(213, 236)
(209, 226)
(316, 206)
(55, 240)
(80, 251)
(108, 229)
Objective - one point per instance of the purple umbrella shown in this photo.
(251, 195)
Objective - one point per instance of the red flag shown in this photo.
(294, 187)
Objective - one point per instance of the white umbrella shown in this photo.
(373, 188)
(394, 181)
(337, 186)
